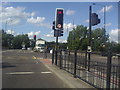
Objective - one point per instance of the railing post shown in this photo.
(86, 59)
(89, 59)
(75, 62)
(108, 79)
(68, 58)
(119, 70)
(53, 56)
(60, 59)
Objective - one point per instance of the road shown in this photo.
(94, 57)
(21, 69)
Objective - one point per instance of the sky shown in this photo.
(36, 18)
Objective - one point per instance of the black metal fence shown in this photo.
(100, 71)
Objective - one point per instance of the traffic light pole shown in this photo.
(56, 48)
(90, 26)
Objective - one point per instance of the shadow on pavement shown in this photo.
(6, 65)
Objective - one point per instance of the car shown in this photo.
(23, 48)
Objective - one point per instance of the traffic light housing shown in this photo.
(35, 37)
(60, 32)
(53, 27)
(59, 18)
(94, 19)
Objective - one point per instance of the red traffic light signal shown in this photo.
(59, 12)
(59, 18)
(34, 37)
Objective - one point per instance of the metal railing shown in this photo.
(101, 73)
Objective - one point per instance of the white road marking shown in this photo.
(46, 72)
(15, 73)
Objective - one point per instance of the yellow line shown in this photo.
(34, 57)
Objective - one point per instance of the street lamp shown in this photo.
(6, 24)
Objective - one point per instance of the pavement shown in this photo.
(65, 76)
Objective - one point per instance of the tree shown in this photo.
(6, 39)
(78, 39)
(99, 40)
(50, 44)
(19, 40)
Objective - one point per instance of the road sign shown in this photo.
(89, 49)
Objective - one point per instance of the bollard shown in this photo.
(75, 62)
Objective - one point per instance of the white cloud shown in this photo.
(52, 31)
(62, 41)
(33, 14)
(35, 20)
(44, 25)
(70, 12)
(16, 14)
(114, 35)
(49, 35)
(10, 32)
(108, 24)
(87, 21)
(13, 21)
(31, 34)
(107, 8)
(69, 26)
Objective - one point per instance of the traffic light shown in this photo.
(59, 18)
(55, 33)
(35, 37)
(94, 19)
(53, 27)
(60, 32)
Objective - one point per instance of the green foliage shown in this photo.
(63, 45)
(78, 39)
(10, 41)
(99, 40)
(19, 40)
(6, 39)
(50, 44)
